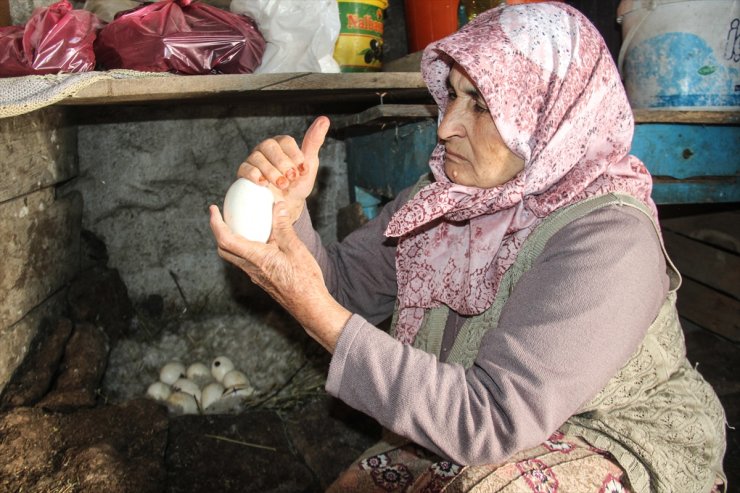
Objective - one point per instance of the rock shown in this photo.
(81, 370)
(34, 377)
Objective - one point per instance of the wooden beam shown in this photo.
(385, 114)
(40, 250)
(717, 229)
(275, 87)
(703, 263)
(37, 149)
(709, 309)
(4, 13)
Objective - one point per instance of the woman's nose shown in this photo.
(450, 126)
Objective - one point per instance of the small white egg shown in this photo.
(220, 367)
(182, 403)
(241, 391)
(235, 378)
(171, 372)
(187, 386)
(248, 210)
(199, 373)
(233, 401)
(159, 391)
(210, 394)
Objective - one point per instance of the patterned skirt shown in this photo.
(565, 464)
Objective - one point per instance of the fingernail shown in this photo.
(290, 174)
(281, 182)
(302, 169)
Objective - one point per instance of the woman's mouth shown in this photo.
(452, 156)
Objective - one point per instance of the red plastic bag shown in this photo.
(55, 39)
(182, 37)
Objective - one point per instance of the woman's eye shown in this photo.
(480, 108)
(451, 95)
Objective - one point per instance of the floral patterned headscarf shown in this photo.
(558, 102)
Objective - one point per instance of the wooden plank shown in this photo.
(705, 264)
(4, 13)
(720, 229)
(688, 151)
(148, 89)
(673, 116)
(16, 340)
(386, 113)
(40, 250)
(709, 309)
(37, 149)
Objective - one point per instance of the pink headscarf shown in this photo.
(558, 102)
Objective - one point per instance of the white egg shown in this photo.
(248, 210)
(187, 386)
(159, 391)
(171, 372)
(235, 378)
(210, 394)
(220, 367)
(182, 403)
(199, 373)
(233, 401)
(240, 391)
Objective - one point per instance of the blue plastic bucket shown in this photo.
(681, 54)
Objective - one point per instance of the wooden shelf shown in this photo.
(374, 88)
(387, 113)
(724, 117)
(377, 87)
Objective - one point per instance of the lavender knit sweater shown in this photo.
(571, 322)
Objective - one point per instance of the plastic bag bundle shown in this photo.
(300, 34)
(181, 36)
(55, 39)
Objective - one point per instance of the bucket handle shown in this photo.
(648, 9)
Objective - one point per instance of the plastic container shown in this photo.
(681, 54)
(429, 20)
(359, 46)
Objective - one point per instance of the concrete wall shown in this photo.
(147, 176)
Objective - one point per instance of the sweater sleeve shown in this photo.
(360, 271)
(571, 322)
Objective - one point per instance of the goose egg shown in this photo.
(248, 210)
(199, 373)
(159, 391)
(220, 367)
(171, 372)
(234, 378)
(187, 386)
(211, 393)
(182, 403)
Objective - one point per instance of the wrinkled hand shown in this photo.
(289, 170)
(287, 271)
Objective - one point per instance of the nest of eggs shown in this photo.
(199, 389)
(280, 366)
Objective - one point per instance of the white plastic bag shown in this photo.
(300, 34)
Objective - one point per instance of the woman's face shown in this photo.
(475, 153)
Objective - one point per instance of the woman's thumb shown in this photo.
(282, 228)
(314, 138)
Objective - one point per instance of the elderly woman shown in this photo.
(535, 344)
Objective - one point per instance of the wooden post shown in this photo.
(4, 13)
